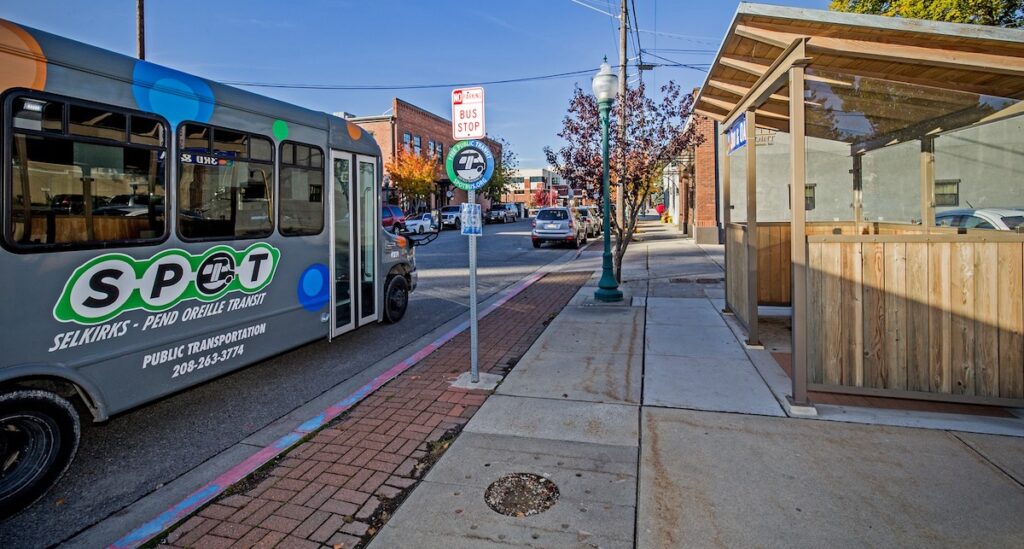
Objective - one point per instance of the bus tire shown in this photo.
(39, 434)
(396, 298)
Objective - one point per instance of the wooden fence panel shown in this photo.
(736, 275)
(961, 340)
(874, 321)
(1011, 320)
(942, 314)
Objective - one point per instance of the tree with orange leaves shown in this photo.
(413, 174)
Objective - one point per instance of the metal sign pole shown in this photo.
(474, 366)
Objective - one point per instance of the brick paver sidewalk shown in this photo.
(337, 488)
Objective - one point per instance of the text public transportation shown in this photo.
(159, 230)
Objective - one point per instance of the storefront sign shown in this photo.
(737, 134)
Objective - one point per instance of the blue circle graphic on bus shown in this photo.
(314, 289)
(175, 95)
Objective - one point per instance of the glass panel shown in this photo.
(67, 192)
(342, 244)
(261, 149)
(195, 138)
(887, 128)
(288, 153)
(302, 207)
(982, 168)
(368, 228)
(773, 149)
(302, 155)
(316, 158)
(39, 115)
(229, 143)
(738, 184)
(89, 122)
(147, 131)
(231, 199)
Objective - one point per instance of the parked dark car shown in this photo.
(75, 203)
(391, 217)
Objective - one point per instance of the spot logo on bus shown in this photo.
(112, 284)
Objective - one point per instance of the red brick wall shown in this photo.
(705, 202)
(428, 126)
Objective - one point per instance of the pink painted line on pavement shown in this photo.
(214, 488)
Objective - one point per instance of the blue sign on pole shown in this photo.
(737, 134)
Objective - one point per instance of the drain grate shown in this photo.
(521, 495)
(696, 280)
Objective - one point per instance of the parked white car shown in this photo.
(1002, 219)
(422, 223)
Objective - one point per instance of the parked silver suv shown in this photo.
(558, 225)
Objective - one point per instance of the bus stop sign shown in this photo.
(470, 164)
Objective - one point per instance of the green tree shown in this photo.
(1003, 13)
(504, 171)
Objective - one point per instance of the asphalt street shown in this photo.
(134, 454)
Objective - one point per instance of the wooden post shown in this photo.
(928, 183)
(726, 206)
(753, 238)
(798, 233)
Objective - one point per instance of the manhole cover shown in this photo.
(521, 494)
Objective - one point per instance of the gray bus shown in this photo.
(160, 230)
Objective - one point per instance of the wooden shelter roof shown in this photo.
(962, 62)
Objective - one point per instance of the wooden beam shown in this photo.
(718, 103)
(749, 67)
(798, 235)
(773, 78)
(887, 51)
(765, 36)
(753, 237)
(736, 89)
(712, 115)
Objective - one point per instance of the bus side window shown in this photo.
(225, 184)
(81, 181)
(302, 190)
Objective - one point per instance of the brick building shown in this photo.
(422, 131)
(692, 188)
(528, 181)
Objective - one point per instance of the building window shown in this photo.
(225, 182)
(440, 152)
(407, 139)
(416, 144)
(536, 179)
(302, 190)
(94, 177)
(947, 192)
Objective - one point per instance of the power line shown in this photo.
(598, 10)
(408, 86)
(636, 37)
(683, 37)
(695, 66)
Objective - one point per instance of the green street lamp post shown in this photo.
(605, 83)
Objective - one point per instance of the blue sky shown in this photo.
(388, 42)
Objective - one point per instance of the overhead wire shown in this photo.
(409, 86)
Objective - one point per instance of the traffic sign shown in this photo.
(470, 164)
(468, 113)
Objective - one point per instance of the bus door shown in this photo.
(367, 233)
(354, 231)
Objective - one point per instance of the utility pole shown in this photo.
(620, 191)
(140, 27)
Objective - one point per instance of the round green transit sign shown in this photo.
(470, 164)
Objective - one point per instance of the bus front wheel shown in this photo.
(396, 298)
(39, 434)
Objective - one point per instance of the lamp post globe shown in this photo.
(604, 84)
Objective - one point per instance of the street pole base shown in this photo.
(797, 409)
(608, 296)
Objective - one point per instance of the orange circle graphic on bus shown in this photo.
(22, 63)
(355, 132)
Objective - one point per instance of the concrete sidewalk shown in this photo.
(661, 429)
